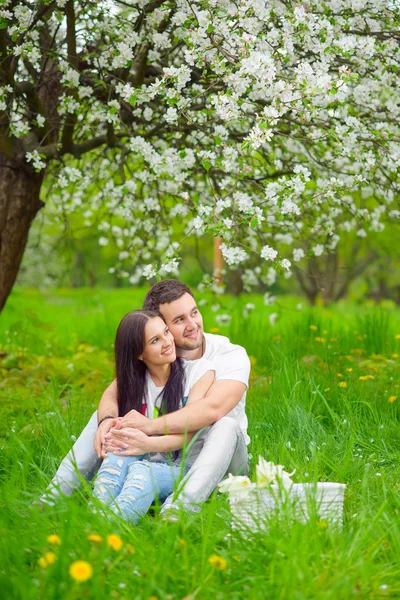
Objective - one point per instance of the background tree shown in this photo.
(233, 119)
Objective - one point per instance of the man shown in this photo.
(222, 410)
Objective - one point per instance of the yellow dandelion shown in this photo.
(48, 558)
(392, 399)
(218, 562)
(342, 384)
(397, 336)
(349, 370)
(333, 340)
(325, 332)
(214, 329)
(81, 570)
(114, 541)
(54, 539)
(339, 375)
(322, 524)
(313, 327)
(95, 537)
(321, 340)
(327, 389)
(153, 597)
(366, 377)
(395, 356)
(42, 562)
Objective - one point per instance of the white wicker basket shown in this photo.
(253, 508)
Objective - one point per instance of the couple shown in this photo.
(149, 398)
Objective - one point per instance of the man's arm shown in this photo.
(221, 398)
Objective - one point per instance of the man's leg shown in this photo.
(81, 459)
(224, 451)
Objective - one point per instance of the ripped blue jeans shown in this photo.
(129, 484)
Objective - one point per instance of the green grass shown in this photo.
(55, 360)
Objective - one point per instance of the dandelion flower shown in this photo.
(392, 399)
(218, 562)
(342, 384)
(54, 539)
(366, 377)
(321, 340)
(95, 537)
(48, 558)
(81, 570)
(313, 327)
(349, 370)
(397, 337)
(395, 356)
(114, 541)
(339, 375)
(327, 389)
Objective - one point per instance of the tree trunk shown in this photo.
(19, 203)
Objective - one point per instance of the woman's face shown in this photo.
(159, 345)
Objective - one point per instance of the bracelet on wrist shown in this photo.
(104, 418)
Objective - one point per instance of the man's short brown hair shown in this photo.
(164, 292)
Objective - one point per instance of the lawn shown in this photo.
(324, 398)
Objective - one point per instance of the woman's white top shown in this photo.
(194, 371)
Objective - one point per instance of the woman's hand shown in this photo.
(128, 442)
(102, 430)
(135, 420)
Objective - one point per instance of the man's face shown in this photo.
(184, 322)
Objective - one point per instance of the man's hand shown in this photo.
(128, 442)
(102, 430)
(134, 420)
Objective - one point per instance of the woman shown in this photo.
(152, 380)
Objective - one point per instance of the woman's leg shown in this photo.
(145, 481)
(111, 476)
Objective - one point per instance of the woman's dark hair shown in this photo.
(131, 371)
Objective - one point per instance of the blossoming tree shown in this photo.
(264, 122)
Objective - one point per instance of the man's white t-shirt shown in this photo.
(230, 362)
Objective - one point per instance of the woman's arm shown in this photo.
(133, 442)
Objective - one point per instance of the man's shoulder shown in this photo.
(218, 343)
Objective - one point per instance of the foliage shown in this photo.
(263, 123)
(300, 416)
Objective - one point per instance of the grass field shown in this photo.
(324, 399)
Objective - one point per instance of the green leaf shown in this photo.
(218, 140)
(3, 23)
(206, 164)
(210, 28)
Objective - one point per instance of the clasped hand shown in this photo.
(127, 441)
